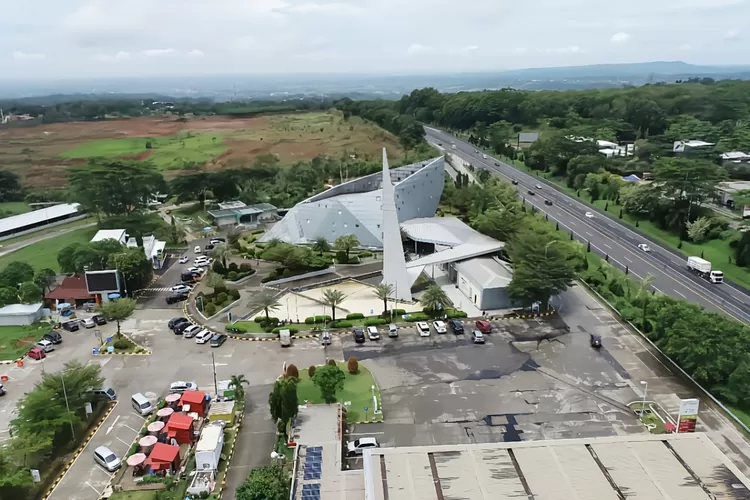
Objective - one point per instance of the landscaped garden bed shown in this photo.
(16, 340)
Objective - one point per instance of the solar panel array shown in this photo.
(313, 463)
(311, 491)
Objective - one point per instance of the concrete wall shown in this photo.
(20, 320)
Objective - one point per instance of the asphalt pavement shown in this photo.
(609, 237)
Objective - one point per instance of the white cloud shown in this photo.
(573, 49)
(196, 53)
(470, 48)
(732, 34)
(24, 56)
(685, 47)
(158, 52)
(324, 8)
(122, 55)
(416, 48)
(620, 37)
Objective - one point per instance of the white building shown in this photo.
(21, 314)
(36, 220)
(110, 234)
(484, 281)
(152, 248)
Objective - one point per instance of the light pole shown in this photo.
(645, 390)
(216, 385)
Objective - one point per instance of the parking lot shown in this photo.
(174, 358)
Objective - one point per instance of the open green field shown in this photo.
(357, 391)
(16, 340)
(43, 254)
(165, 152)
(13, 208)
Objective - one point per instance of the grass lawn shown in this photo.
(742, 415)
(656, 426)
(167, 153)
(43, 254)
(133, 495)
(356, 394)
(16, 340)
(198, 218)
(13, 208)
(36, 234)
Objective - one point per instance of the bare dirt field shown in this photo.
(42, 155)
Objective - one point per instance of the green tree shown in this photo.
(330, 380)
(321, 245)
(29, 293)
(266, 301)
(269, 482)
(434, 298)
(134, 267)
(221, 252)
(282, 401)
(10, 187)
(8, 295)
(45, 278)
(345, 243)
(383, 291)
(238, 382)
(698, 229)
(15, 273)
(333, 298)
(118, 310)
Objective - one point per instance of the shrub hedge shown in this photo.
(455, 313)
(292, 330)
(355, 316)
(317, 319)
(374, 321)
(341, 324)
(261, 319)
(413, 317)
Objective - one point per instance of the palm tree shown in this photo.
(236, 381)
(345, 243)
(221, 252)
(333, 298)
(383, 291)
(434, 298)
(234, 235)
(265, 300)
(321, 245)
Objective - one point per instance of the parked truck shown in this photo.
(702, 267)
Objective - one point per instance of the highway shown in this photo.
(609, 237)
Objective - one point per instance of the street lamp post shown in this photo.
(645, 390)
(65, 395)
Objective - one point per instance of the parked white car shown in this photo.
(184, 259)
(197, 249)
(198, 270)
(440, 327)
(356, 447)
(107, 458)
(372, 333)
(180, 289)
(181, 386)
(203, 336)
(191, 331)
(423, 328)
(88, 323)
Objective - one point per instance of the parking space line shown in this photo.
(126, 425)
(113, 424)
(89, 485)
(123, 441)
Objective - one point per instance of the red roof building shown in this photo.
(164, 457)
(197, 401)
(72, 289)
(180, 428)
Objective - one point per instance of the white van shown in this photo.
(203, 336)
(141, 404)
(423, 328)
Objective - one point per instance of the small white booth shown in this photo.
(208, 449)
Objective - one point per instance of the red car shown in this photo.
(36, 353)
(483, 326)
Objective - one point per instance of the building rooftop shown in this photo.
(485, 271)
(229, 205)
(733, 186)
(258, 208)
(528, 136)
(72, 287)
(18, 222)
(107, 234)
(210, 435)
(20, 309)
(654, 467)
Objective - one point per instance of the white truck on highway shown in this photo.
(702, 267)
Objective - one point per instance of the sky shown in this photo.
(63, 39)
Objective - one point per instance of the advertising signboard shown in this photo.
(688, 415)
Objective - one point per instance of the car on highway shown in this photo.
(359, 336)
(176, 321)
(440, 327)
(184, 259)
(177, 297)
(514, 182)
(36, 353)
(589, 215)
(484, 157)
(197, 249)
(531, 192)
(423, 328)
(548, 202)
(373, 333)
(356, 447)
(107, 458)
(181, 386)
(477, 337)
(476, 151)
(644, 247)
(497, 164)
(217, 340)
(538, 186)
(180, 289)
(456, 326)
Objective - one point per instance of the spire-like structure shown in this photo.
(394, 263)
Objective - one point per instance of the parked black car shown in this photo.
(180, 327)
(209, 247)
(99, 320)
(175, 321)
(217, 340)
(359, 336)
(457, 326)
(596, 341)
(53, 337)
(71, 326)
(177, 297)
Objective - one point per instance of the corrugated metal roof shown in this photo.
(17, 222)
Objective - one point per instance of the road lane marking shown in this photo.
(572, 223)
(627, 259)
(607, 246)
(113, 425)
(589, 234)
(681, 295)
(657, 289)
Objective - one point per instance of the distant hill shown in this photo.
(662, 68)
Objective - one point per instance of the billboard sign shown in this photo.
(103, 282)
(688, 415)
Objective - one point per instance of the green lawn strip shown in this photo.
(133, 495)
(36, 234)
(741, 414)
(357, 391)
(16, 340)
(43, 254)
(10, 208)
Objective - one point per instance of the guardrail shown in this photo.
(669, 360)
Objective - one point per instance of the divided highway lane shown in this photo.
(609, 237)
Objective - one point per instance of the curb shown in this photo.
(79, 451)
(139, 346)
(367, 422)
(8, 362)
(231, 452)
(524, 316)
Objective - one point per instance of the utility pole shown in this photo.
(216, 385)
(65, 395)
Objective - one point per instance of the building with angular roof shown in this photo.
(356, 207)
